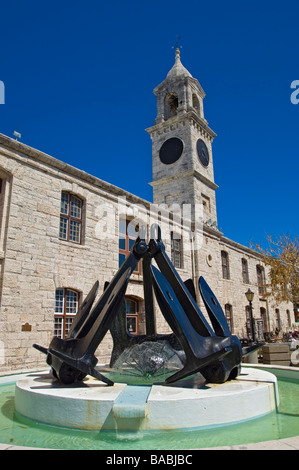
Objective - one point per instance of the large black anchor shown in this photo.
(213, 351)
(217, 354)
(73, 358)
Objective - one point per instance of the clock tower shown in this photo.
(182, 145)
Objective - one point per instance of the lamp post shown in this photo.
(249, 295)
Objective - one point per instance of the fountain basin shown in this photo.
(94, 406)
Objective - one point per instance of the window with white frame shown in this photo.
(66, 307)
(70, 228)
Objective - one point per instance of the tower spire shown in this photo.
(177, 55)
(178, 69)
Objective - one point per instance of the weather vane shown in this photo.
(177, 43)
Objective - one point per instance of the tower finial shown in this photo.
(178, 69)
(177, 47)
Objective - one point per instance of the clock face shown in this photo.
(203, 153)
(171, 150)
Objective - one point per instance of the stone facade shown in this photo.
(35, 261)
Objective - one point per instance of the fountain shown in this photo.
(195, 370)
(188, 379)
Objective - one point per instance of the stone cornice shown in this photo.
(241, 248)
(230, 244)
(185, 174)
(205, 180)
(180, 119)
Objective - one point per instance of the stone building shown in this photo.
(62, 229)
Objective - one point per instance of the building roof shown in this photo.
(178, 70)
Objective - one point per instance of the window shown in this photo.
(176, 251)
(261, 280)
(195, 103)
(127, 237)
(229, 315)
(245, 274)
(171, 105)
(132, 313)
(225, 265)
(263, 313)
(277, 319)
(206, 203)
(70, 218)
(66, 307)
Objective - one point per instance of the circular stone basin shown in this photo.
(94, 405)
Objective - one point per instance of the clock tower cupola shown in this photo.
(182, 144)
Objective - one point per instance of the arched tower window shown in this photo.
(195, 103)
(171, 105)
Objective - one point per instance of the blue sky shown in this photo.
(78, 85)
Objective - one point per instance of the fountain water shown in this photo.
(146, 363)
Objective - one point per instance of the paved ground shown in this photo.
(291, 443)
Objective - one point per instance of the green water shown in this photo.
(275, 425)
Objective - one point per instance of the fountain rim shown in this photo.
(288, 372)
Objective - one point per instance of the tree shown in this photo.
(282, 257)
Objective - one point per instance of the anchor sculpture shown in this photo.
(211, 350)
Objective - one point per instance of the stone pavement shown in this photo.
(290, 443)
